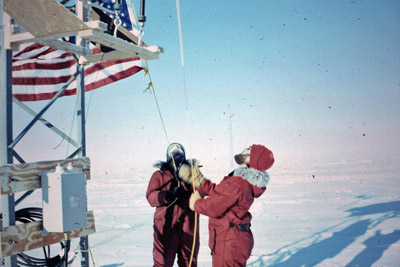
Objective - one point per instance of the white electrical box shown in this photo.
(64, 200)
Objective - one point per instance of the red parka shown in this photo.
(173, 222)
(227, 206)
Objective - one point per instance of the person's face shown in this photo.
(177, 153)
(243, 157)
(176, 150)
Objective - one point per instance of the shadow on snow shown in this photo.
(322, 249)
(388, 207)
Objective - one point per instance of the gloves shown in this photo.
(193, 198)
(174, 193)
(191, 174)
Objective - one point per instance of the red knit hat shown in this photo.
(261, 158)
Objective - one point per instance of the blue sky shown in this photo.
(315, 81)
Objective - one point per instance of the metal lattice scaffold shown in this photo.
(47, 22)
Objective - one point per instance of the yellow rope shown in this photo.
(91, 255)
(147, 72)
(151, 86)
(195, 218)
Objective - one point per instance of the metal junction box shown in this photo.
(64, 200)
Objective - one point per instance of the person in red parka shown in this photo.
(228, 203)
(173, 219)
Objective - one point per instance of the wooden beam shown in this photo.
(97, 25)
(26, 37)
(65, 46)
(121, 45)
(26, 176)
(23, 237)
(115, 55)
(131, 36)
(129, 50)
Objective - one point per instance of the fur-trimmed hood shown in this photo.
(162, 165)
(257, 178)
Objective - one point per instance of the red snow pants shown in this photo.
(169, 244)
(230, 248)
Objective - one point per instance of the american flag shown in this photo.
(39, 72)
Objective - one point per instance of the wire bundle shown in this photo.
(28, 215)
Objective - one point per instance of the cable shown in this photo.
(147, 72)
(91, 255)
(27, 215)
(72, 125)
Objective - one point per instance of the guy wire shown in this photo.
(187, 119)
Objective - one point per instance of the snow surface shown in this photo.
(341, 214)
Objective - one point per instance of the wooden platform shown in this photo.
(43, 17)
(47, 21)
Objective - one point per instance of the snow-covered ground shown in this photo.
(342, 214)
(338, 214)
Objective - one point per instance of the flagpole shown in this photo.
(80, 93)
(6, 153)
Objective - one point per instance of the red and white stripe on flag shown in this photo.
(39, 72)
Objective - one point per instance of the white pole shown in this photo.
(230, 137)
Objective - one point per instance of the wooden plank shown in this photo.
(131, 36)
(68, 47)
(24, 177)
(43, 17)
(97, 25)
(115, 55)
(26, 37)
(119, 44)
(28, 236)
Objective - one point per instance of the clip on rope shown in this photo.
(141, 33)
(117, 20)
